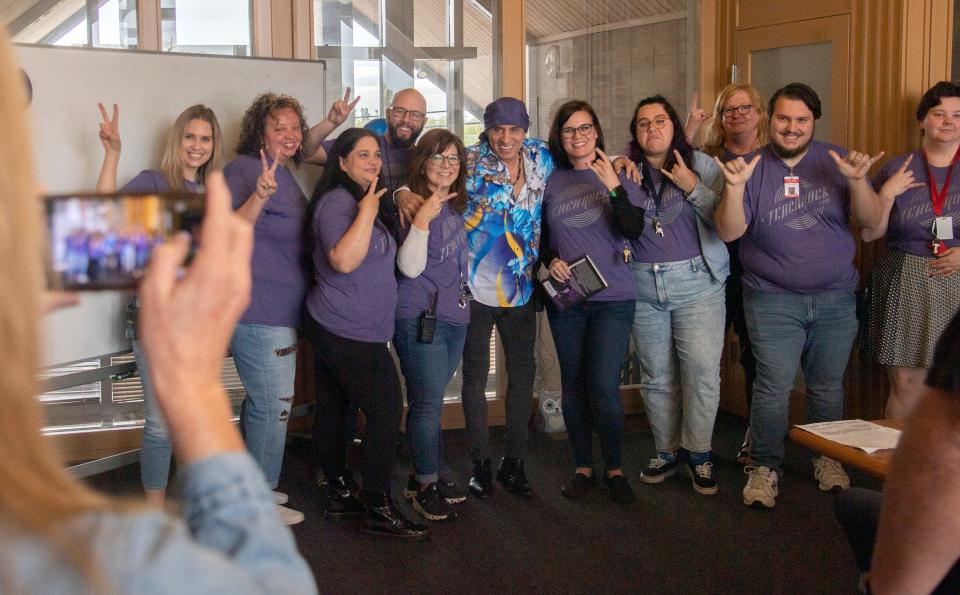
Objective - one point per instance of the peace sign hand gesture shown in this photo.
(737, 171)
(855, 165)
(901, 181)
(341, 108)
(604, 170)
(430, 209)
(110, 129)
(681, 175)
(267, 181)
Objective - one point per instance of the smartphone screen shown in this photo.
(104, 241)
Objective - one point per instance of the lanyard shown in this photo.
(938, 198)
(657, 193)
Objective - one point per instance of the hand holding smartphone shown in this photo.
(104, 241)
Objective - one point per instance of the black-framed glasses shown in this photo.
(743, 110)
(570, 131)
(401, 113)
(657, 123)
(437, 159)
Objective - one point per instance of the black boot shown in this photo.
(382, 517)
(481, 484)
(513, 478)
(341, 499)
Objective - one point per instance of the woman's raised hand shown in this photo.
(341, 108)
(901, 181)
(681, 175)
(110, 129)
(604, 170)
(371, 200)
(267, 181)
(430, 208)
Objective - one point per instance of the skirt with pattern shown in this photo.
(908, 309)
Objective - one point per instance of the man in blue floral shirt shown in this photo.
(506, 176)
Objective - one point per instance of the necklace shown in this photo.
(519, 172)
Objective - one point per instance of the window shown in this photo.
(90, 23)
(205, 26)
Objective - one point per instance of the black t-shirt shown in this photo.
(944, 374)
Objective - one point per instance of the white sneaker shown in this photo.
(761, 487)
(830, 474)
(289, 515)
(280, 498)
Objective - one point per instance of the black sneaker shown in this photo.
(658, 469)
(578, 486)
(451, 492)
(620, 490)
(431, 505)
(702, 478)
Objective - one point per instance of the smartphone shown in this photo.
(104, 241)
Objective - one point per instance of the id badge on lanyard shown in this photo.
(791, 186)
(942, 227)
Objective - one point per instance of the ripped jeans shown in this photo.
(266, 359)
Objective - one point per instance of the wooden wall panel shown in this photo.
(760, 13)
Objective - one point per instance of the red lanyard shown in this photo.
(938, 198)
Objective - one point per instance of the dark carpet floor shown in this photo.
(672, 540)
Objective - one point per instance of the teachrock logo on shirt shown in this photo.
(580, 205)
(799, 213)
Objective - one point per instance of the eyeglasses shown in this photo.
(437, 159)
(657, 123)
(570, 131)
(401, 113)
(743, 110)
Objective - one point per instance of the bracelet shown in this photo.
(616, 191)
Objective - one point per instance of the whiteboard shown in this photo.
(151, 88)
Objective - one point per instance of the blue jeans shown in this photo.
(427, 369)
(678, 334)
(591, 340)
(266, 359)
(815, 331)
(155, 446)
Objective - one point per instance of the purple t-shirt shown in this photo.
(578, 216)
(911, 217)
(804, 244)
(680, 239)
(394, 170)
(359, 305)
(446, 268)
(279, 282)
(151, 180)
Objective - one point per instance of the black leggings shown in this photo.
(349, 375)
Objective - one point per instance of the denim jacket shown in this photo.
(704, 200)
(230, 541)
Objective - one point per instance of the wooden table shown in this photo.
(875, 464)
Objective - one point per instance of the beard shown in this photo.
(785, 153)
(402, 143)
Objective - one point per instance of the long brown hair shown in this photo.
(37, 496)
(715, 137)
(435, 142)
(171, 165)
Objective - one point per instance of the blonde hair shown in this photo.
(36, 494)
(715, 137)
(171, 164)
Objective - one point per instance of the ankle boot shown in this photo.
(341, 499)
(382, 517)
(481, 484)
(513, 479)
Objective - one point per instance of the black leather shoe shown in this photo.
(383, 518)
(481, 484)
(513, 479)
(341, 499)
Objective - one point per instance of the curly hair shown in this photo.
(679, 142)
(254, 122)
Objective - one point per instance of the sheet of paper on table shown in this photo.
(857, 433)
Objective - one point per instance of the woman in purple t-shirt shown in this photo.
(193, 148)
(433, 281)
(351, 312)
(914, 287)
(587, 212)
(264, 345)
(680, 266)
